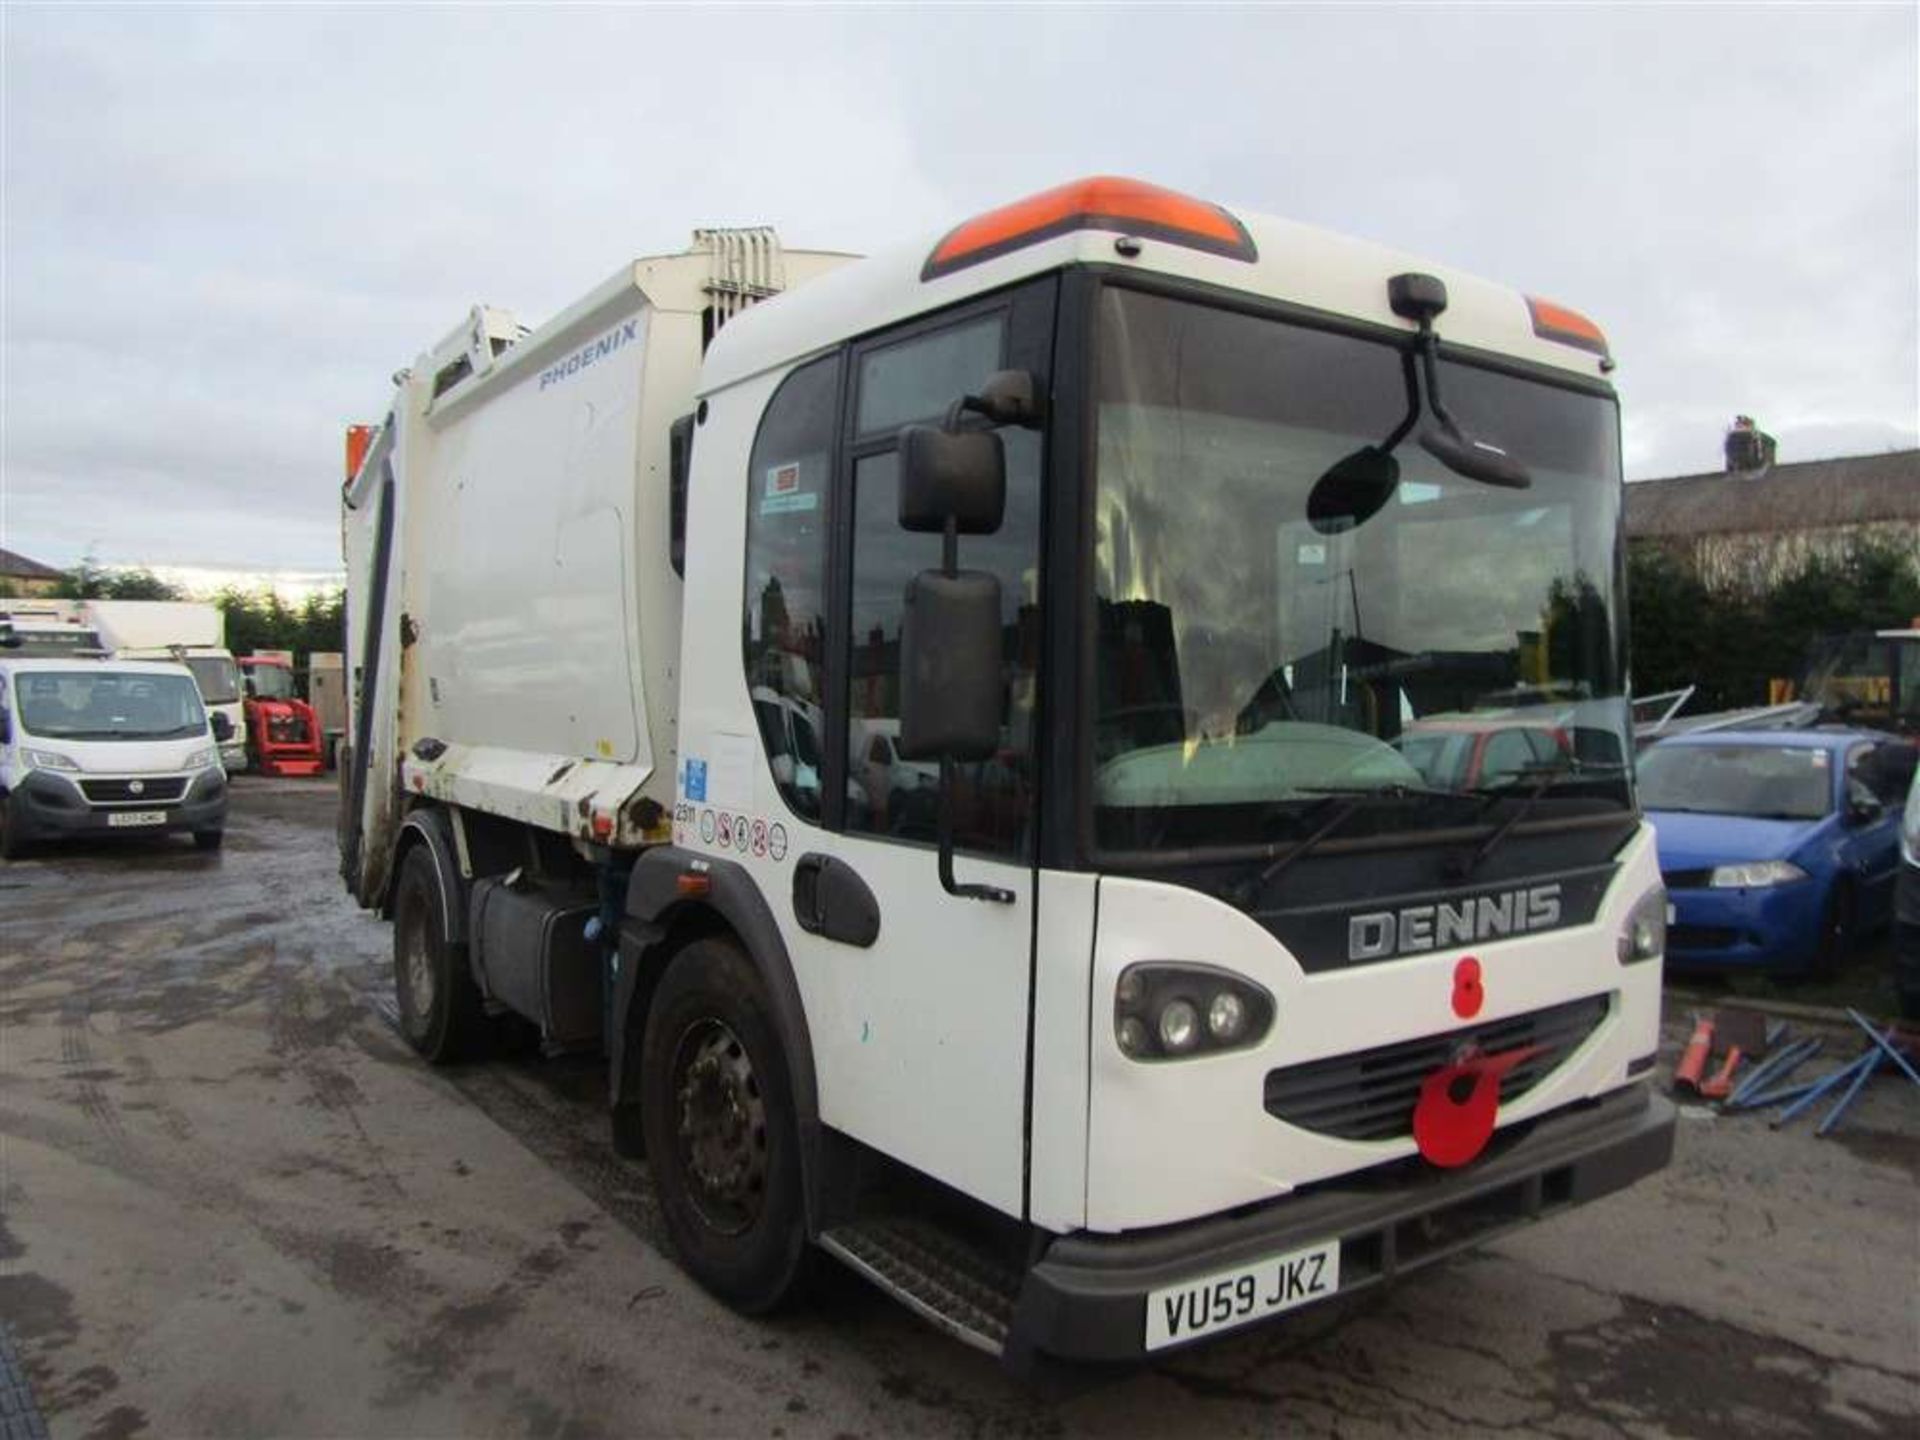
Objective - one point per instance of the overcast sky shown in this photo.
(224, 229)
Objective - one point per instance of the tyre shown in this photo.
(13, 844)
(1909, 994)
(209, 839)
(1836, 933)
(717, 1110)
(441, 1014)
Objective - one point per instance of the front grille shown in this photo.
(1700, 937)
(161, 789)
(286, 729)
(1371, 1095)
(1686, 879)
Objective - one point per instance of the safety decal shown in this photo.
(693, 781)
(777, 841)
(760, 839)
(783, 494)
(707, 826)
(740, 833)
(725, 838)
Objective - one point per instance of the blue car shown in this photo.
(1779, 847)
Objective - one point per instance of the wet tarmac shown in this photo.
(233, 1203)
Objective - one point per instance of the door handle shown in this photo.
(830, 899)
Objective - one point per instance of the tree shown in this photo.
(90, 581)
(1729, 645)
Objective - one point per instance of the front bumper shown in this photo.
(1086, 1299)
(46, 805)
(1773, 926)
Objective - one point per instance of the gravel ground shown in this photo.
(233, 1203)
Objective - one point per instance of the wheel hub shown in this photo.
(419, 970)
(721, 1127)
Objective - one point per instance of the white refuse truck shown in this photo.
(189, 632)
(1170, 996)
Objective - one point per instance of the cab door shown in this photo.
(920, 1021)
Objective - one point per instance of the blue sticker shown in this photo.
(696, 781)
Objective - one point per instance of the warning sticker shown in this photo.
(783, 494)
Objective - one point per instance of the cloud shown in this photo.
(225, 228)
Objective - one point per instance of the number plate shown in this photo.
(117, 819)
(1238, 1297)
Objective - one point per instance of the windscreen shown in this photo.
(218, 677)
(270, 682)
(1774, 782)
(108, 705)
(1459, 639)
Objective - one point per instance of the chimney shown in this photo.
(1749, 448)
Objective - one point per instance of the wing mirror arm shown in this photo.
(953, 480)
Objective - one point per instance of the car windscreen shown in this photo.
(218, 676)
(109, 705)
(1763, 781)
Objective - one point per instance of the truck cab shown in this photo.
(1170, 994)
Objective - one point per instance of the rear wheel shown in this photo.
(441, 1013)
(1836, 933)
(721, 1136)
(13, 844)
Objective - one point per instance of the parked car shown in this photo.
(97, 747)
(1466, 752)
(1906, 919)
(1778, 847)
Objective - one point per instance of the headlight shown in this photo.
(1179, 1027)
(204, 759)
(1170, 1011)
(1644, 936)
(47, 760)
(1756, 875)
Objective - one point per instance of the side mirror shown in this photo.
(1863, 806)
(1353, 491)
(222, 727)
(952, 476)
(950, 667)
(1476, 459)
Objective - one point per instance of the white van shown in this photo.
(89, 747)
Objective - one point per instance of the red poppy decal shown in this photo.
(1468, 993)
(1453, 1119)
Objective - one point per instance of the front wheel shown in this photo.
(13, 844)
(1836, 933)
(441, 1013)
(718, 1114)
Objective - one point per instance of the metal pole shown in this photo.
(1886, 1045)
(1874, 1057)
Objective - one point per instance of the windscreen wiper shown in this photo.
(1341, 802)
(1545, 778)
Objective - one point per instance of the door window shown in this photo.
(785, 622)
(992, 799)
